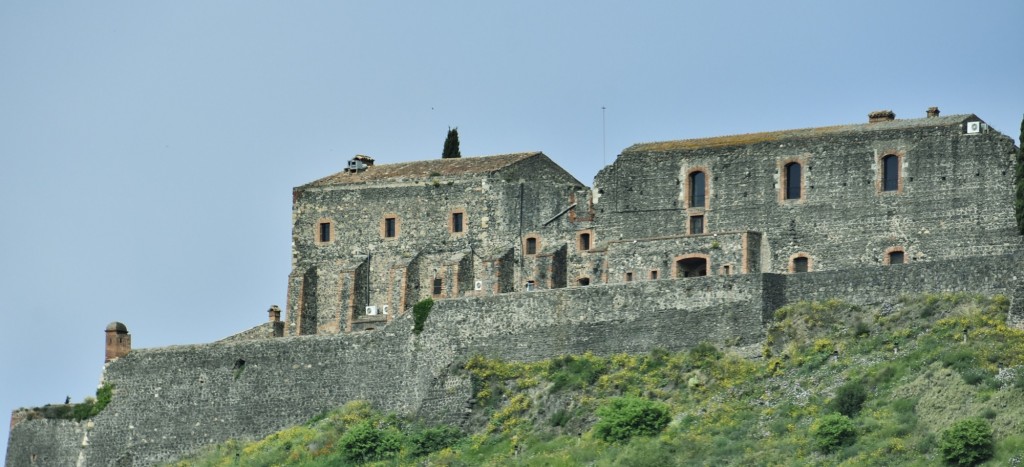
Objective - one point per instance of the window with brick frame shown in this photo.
(696, 225)
(793, 181)
(799, 263)
(629, 277)
(584, 241)
(583, 281)
(698, 189)
(654, 274)
(324, 232)
(890, 165)
(531, 245)
(457, 222)
(895, 255)
(438, 286)
(390, 227)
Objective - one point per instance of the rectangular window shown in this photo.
(629, 277)
(583, 281)
(654, 274)
(530, 285)
(325, 232)
(584, 241)
(390, 227)
(696, 225)
(457, 222)
(531, 246)
(437, 286)
(896, 257)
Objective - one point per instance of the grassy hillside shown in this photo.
(833, 384)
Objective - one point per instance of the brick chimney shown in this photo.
(119, 342)
(933, 112)
(275, 320)
(881, 116)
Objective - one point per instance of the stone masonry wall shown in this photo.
(169, 402)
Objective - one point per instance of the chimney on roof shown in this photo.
(933, 112)
(881, 116)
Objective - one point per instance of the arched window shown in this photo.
(698, 187)
(792, 184)
(891, 173)
(800, 264)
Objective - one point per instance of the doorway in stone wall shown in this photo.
(692, 267)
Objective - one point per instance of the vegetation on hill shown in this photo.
(89, 408)
(929, 380)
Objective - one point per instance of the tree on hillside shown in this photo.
(1020, 180)
(451, 145)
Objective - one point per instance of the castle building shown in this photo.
(372, 240)
(529, 264)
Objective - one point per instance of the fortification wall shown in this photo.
(169, 402)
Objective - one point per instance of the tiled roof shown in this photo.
(421, 170)
(754, 138)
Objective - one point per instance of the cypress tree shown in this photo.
(1020, 180)
(451, 145)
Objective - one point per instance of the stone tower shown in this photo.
(119, 342)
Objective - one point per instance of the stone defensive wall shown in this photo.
(172, 401)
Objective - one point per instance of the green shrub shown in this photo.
(420, 312)
(366, 442)
(832, 431)
(967, 442)
(849, 398)
(622, 418)
(559, 418)
(434, 439)
(704, 353)
(568, 372)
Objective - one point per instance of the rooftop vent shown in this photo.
(933, 112)
(881, 116)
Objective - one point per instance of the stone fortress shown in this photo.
(675, 243)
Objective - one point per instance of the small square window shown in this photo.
(457, 225)
(530, 286)
(390, 227)
(896, 257)
(583, 281)
(696, 225)
(437, 286)
(325, 232)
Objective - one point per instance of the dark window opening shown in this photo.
(654, 275)
(792, 180)
(584, 241)
(531, 246)
(437, 286)
(583, 281)
(697, 189)
(390, 227)
(800, 264)
(692, 267)
(896, 257)
(696, 225)
(890, 173)
(530, 285)
(727, 269)
(629, 277)
(325, 232)
(457, 222)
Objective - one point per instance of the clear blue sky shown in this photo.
(148, 150)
